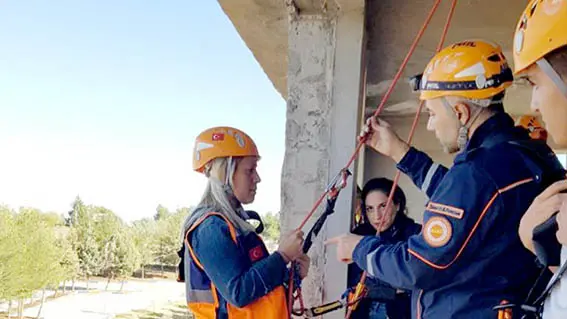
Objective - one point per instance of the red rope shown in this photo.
(380, 106)
(290, 300)
(362, 140)
(409, 141)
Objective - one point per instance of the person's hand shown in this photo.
(291, 245)
(541, 209)
(562, 224)
(382, 138)
(303, 261)
(346, 244)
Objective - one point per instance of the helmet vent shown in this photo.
(494, 58)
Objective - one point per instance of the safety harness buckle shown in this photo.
(339, 181)
(508, 310)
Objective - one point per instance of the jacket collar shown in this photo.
(495, 130)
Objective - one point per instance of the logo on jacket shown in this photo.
(437, 231)
(445, 210)
(256, 253)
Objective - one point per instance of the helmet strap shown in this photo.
(228, 184)
(229, 171)
(546, 67)
(463, 136)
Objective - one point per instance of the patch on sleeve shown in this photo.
(445, 210)
(256, 253)
(437, 231)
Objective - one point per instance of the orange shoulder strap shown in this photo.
(197, 223)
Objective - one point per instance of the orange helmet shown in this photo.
(540, 30)
(530, 123)
(472, 69)
(220, 142)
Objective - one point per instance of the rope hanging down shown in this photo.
(413, 127)
(339, 182)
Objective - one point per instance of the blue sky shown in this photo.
(104, 99)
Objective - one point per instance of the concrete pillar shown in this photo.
(323, 117)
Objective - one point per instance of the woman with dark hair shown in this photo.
(383, 301)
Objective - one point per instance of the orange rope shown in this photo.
(380, 107)
(362, 139)
(409, 141)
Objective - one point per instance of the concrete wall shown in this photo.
(323, 116)
(377, 165)
(308, 132)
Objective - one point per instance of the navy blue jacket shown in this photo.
(397, 304)
(468, 257)
(228, 265)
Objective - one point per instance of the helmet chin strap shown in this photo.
(463, 136)
(228, 173)
(228, 177)
(546, 67)
(228, 187)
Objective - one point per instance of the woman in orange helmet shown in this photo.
(228, 271)
(540, 55)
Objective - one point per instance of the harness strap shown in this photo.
(536, 310)
(554, 281)
(345, 301)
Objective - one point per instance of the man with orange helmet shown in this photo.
(227, 270)
(460, 265)
(540, 55)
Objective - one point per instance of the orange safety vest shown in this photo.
(204, 301)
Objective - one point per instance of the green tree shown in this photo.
(271, 232)
(144, 238)
(9, 270)
(82, 241)
(161, 213)
(37, 263)
(168, 231)
(88, 252)
(77, 212)
(105, 222)
(70, 264)
(125, 257)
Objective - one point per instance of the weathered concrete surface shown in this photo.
(348, 92)
(323, 117)
(391, 25)
(262, 24)
(308, 132)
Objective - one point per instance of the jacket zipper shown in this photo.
(418, 309)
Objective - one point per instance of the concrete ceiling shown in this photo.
(393, 24)
(391, 27)
(262, 24)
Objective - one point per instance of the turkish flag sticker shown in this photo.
(218, 136)
(256, 253)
